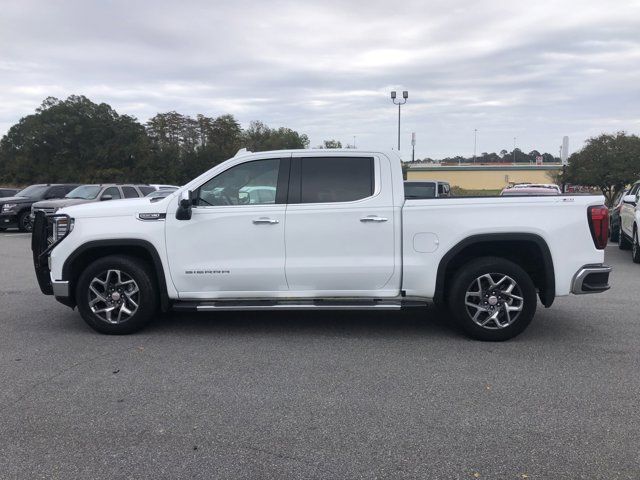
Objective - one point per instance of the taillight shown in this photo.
(599, 225)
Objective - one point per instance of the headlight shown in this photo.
(7, 207)
(62, 226)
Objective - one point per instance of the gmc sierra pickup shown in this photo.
(318, 229)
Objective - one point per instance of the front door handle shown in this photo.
(265, 220)
(373, 218)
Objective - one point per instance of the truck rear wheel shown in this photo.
(492, 299)
(117, 295)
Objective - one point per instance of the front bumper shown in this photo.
(591, 279)
(8, 220)
(41, 245)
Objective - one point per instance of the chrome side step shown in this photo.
(312, 304)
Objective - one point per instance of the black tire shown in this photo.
(623, 241)
(466, 278)
(24, 222)
(635, 247)
(147, 299)
(614, 233)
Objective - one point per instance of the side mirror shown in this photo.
(106, 197)
(184, 206)
(244, 198)
(630, 199)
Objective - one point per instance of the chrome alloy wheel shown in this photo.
(114, 296)
(494, 301)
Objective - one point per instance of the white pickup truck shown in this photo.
(320, 229)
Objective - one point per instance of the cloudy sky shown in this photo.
(531, 70)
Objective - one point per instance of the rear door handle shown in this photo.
(265, 220)
(373, 218)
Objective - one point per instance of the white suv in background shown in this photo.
(629, 221)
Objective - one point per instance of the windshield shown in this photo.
(85, 192)
(160, 193)
(32, 191)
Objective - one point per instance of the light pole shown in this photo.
(405, 95)
(354, 141)
(475, 143)
(413, 146)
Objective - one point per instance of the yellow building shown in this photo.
(484, 177)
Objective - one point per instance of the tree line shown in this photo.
(77, 140)
(504, 156)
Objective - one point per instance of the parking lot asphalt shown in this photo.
(318, 395)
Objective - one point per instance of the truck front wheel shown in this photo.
(117, 295)
(492, 299)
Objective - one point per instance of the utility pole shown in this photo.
(514, 150)
(405, 95)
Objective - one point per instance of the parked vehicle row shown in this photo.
(327, 230)
(17, 209)
(93, 193)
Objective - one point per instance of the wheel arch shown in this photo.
(528, 250)
(81, 257)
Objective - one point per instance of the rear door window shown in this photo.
(336, 179)
(130, 192)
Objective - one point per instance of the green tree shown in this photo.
(184, 147)
(259, 137)
(331, 144)
(609, 162)
(74, 140)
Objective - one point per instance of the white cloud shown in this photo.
(536, 71)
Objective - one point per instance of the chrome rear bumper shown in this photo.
(591, 279)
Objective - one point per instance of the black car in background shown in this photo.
(15, 211)
(614, 216)
(8, 192)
